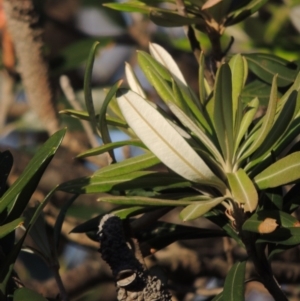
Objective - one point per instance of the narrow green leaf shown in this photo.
(202, 91)
(144, 201)
(133, 180)
(129, 165)
(249, 113)
(259, 136)
(109, 146)
(164, 141)
(243, 190)
(284, 171)
(24, 293)
(198, 209)
(245, 11)
(266, 66)
(18, 195)
(87, 86)
(223, 117)
(136, 6)
(133, 82)
(277, 131)
(85, 116)
(170, 19)
(59, 222)
(8, 263)
(238, 66)
(9, 227)
(234, 286)
(103, 128)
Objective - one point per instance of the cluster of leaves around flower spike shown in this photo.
(219, 154)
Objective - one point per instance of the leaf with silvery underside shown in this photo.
(129, 165)
(249, 113)
(87, 86)
(147, 62)
(257, 138)
(243, 190)
(187, 122)
(234, 286)
(164, 141)
(238, 66)
(83, 115)
(133, 82)
(223, 118)
(144, 201)
(284, 171)
(266, 66)
(133, 180)
(109, 146)
(162, 87)
(198, 209)
(164, 58)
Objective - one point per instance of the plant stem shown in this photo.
(262, 266)
(62, 290)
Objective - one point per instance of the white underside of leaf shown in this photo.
(163, 57)
(133, 81)
(164, 141)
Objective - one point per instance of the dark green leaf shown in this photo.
(223, 115)
(59, 221)
(138, 179)
(19, 194)
(266, 66)
(87, 86)
(102, 120)
(170, 19)
(257, 89)
(234, 286)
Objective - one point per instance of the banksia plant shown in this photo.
(226, 159)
